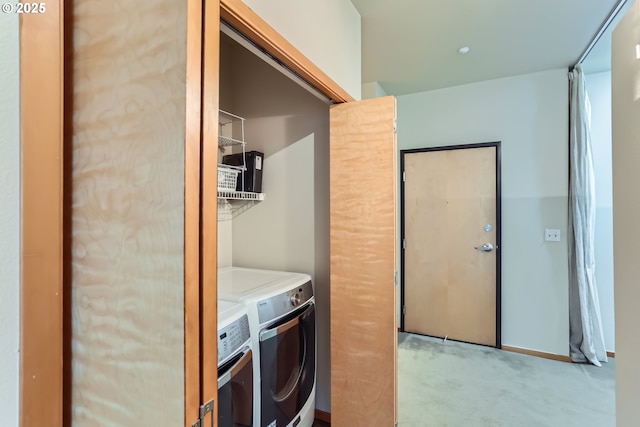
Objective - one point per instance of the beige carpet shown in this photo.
(455, 384)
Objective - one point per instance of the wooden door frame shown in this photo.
(45, 296)
(193, 283)
(41, 234)
(497, 145)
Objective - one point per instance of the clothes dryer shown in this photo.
(235, 366)
(281, 308)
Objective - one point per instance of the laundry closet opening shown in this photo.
(286, 126)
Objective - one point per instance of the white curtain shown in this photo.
(586, 336)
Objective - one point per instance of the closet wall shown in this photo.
(289, 230)
(127, 213)
(226, 103)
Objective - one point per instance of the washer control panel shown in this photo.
(278, 305)
(232, 337)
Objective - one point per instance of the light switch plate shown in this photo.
(551, 235)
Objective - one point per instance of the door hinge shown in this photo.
(395, 278)
(404, 176)
(395, 125)
(204, 410)
(404, 310)
(404, 243)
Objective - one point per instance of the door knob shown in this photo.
(487, 247)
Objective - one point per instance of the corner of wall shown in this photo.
(372, 90)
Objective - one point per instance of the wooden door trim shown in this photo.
(209, 205)
(535, 353)
(323, 416)
(192, 201)
(42, 185)
(240, 16)
(497, 145)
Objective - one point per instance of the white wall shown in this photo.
(327, 32)
(599, 90)
(9, 219)
(625, 80)
(289, 230)
(529, 115)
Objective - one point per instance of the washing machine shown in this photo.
(281, 308)
(235, 366)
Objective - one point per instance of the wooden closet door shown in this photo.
(135, 214)
(363, 250)
(127, 233)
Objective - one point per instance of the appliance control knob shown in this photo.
(295, 299)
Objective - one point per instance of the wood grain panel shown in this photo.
(193, 129)
(363, 237)
(245, 20)
(128, 212)
(472, 274)
(450, 288)
(209, 295)
(41, 127)
(426, 225)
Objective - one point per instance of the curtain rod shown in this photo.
(601, 31)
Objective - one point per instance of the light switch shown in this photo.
(551, 235)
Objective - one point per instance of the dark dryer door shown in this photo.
(235, 391)
(287, 366)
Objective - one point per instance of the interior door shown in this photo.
(451, 232)
(133, 170)
(363, 241)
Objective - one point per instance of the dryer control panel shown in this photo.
(278, 305)
(232, 337)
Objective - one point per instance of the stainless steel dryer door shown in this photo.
(235, 391)
(287, 366)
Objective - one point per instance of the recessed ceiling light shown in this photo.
(463, 50)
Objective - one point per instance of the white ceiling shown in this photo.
(411, 46)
